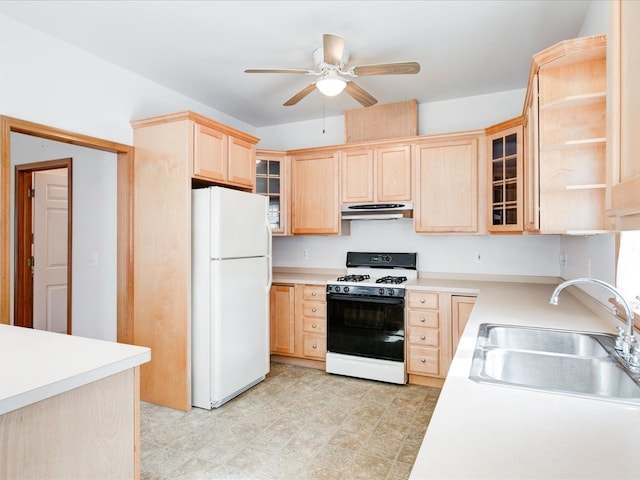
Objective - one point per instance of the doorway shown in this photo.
(43, 240)
(124, 155)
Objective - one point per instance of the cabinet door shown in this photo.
(505, 170)
(446, 197)
(357, 172)
(315, 197)
(623, 115)
(210, 154)
(241, 165)
(272, 180)
(393, 172)
(282, 319)
(460, 311)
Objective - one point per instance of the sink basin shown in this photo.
(544, 340)
(555, 361)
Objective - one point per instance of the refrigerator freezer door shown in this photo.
(230, 329)
(239, 224)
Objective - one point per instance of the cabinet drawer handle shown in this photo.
(314, 346)
(422, 337)
(422, 319)
(423, 360)
(313, 325)
(422, 300)
(313, 294)
(313, 309)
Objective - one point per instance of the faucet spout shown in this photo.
(627, 309)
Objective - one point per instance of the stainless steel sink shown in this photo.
(544, 340)
(556, 361)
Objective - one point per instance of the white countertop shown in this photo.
(38, 364)
(481, 431)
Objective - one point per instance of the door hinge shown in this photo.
(31, 193)
(31, 261)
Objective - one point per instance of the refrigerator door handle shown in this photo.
(269, 255)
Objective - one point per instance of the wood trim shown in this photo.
(125, 248)
(125, 216)
(196, 117)
(23, 284)
(511, 123)
(425, 381)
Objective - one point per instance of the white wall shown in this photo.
(47, 81)
(596, 21)
(94, 205)
(505, 255)
(460, 114)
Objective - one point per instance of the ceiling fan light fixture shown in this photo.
(331, 85)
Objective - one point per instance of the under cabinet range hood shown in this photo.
(377, 211)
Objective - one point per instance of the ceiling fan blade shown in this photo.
(362, 96)
(278, 70)
(300, 95)
(386, 69)
(333, 48)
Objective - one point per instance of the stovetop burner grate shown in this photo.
(353, 278)
(390, 279)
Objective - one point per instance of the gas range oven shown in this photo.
(365, 316)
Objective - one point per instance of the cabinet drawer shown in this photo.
(424, 360)
(314, 325)
(315, 293)
(424, 300)
(424, 318)
(314, 309)
(314, 346)
(424, 336)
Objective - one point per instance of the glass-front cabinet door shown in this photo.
(504, 144)
(271, 178)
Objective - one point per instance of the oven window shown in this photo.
(371, 328)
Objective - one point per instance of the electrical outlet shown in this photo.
(563, 260)
(478, 256)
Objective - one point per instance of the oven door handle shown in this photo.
(380, 300)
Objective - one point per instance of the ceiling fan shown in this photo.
(330, 61)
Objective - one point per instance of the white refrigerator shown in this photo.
(231, 280)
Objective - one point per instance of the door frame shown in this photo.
(23, 239)
(124, 154)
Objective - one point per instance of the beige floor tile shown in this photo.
(298, 424)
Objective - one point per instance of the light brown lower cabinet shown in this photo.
(461, 307)
(299, 321)
(434, 321)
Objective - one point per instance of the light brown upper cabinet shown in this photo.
(504, 151)
(315, 198)
(570, 78)
(222, 155)
(167, 149)
(272, 180)
(623, 115)
(446, 188)
(381, 174)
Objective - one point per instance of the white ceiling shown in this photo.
(202, 48)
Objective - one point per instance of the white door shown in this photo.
(239, 324)
(50, 227)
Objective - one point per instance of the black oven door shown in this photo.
(366, 326)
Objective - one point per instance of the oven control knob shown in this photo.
(381, 291)
(391, 292)
(337, 288)
(346, 289)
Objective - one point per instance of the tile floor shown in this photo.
(300, 423)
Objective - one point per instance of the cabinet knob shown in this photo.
(313, 309)
(422, 319)
(422, 337)
(313, 294)
(313, 325)
(314, 346)
(423, 360)
(422, 300)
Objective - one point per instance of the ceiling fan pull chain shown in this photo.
(323, 131)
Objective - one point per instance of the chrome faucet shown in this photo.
(626, 343)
